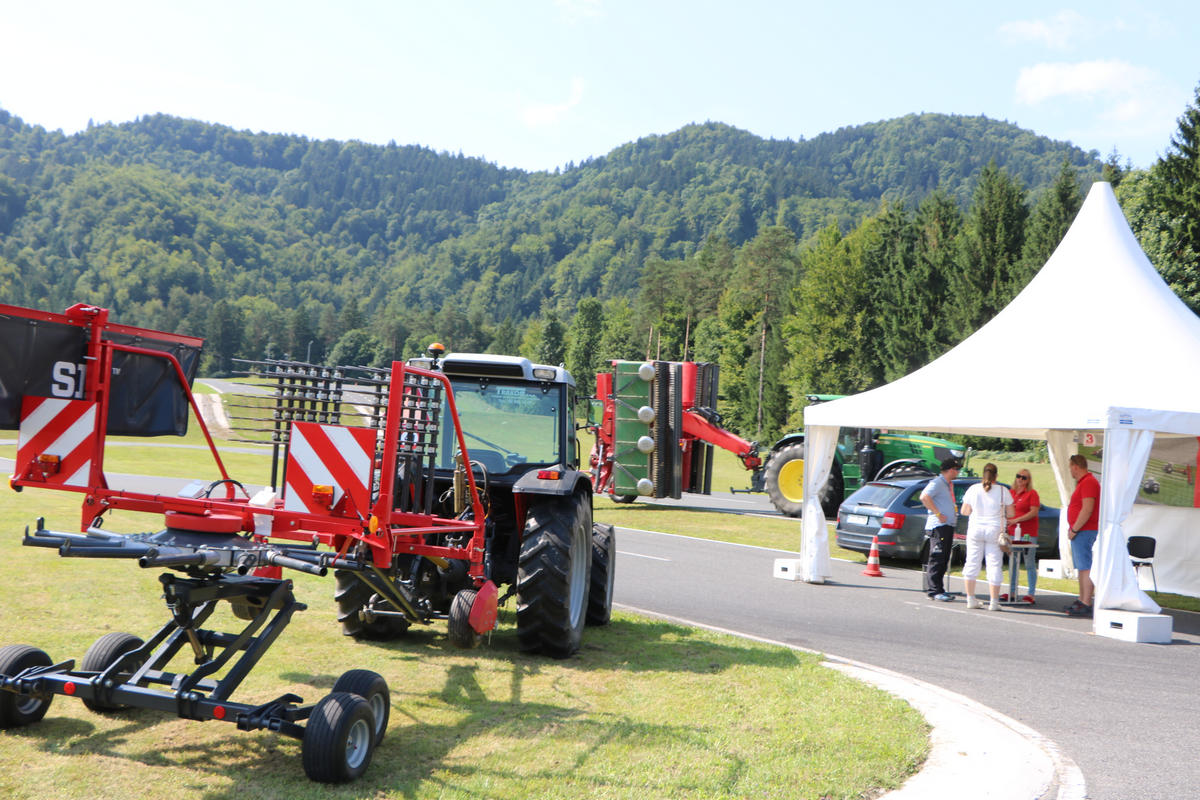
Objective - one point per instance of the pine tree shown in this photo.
(583, 342)
(939, 224)
(753, 355)
(1048, 223)
(890, 265)
(1175, 189)
(989, 251)
(552, 348)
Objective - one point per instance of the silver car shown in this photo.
(892, 510)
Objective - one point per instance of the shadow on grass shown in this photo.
(633, 644)
(445, 739)
(418, 756)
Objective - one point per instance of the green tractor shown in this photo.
(863, 455)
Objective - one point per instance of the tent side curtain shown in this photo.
(1126, 452)
(820, 443)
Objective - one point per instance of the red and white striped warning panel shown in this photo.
(333, 456)
(55, 441)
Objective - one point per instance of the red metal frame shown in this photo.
(695, 428)
(385, 533)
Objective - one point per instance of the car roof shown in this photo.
(906, 483)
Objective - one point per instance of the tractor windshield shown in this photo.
(506, 424)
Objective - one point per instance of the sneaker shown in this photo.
(1080, 611)
(1068, 609)
(973, 602)
(1028, 599)
(945, 598)
(993, 606)
(1004, 597)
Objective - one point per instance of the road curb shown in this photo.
(967, 742)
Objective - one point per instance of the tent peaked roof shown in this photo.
(1097, 334)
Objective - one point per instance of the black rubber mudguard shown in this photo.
(566, 483)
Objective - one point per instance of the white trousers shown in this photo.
(983, 543)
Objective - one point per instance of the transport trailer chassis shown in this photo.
(120, 670)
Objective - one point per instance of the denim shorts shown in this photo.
(1081, 549)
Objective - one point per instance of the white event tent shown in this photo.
(1127, 351)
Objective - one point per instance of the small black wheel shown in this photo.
(604, 571)
(461, 633)
(623, 498)
(103, 653)
(374, 689)
(339, 739)
(17, 710)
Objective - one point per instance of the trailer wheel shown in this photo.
(604, 570)
(17, 710)
(623, 498)
(461, 633)
(374, 689)
(784, 479)
(339, 739)
(352, 595)
(553, 576)
(103, 653)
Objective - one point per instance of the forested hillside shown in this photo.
(698, 243)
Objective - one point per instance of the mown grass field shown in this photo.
(646, 709)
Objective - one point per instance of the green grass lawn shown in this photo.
(646, 709)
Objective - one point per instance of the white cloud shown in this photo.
(1057, 32)
(1116, 80)
(540, 116)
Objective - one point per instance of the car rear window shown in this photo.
(875, 494)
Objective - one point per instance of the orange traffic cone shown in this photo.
(873, 570)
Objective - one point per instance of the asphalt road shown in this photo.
(1125, 713)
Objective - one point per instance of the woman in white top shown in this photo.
(987, 505)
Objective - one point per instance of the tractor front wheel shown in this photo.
(553, 575)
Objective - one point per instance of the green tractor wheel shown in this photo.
(784, 479)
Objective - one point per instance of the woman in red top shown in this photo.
(1023, 526)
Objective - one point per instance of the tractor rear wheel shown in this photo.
(103, 653)
(553, 576)
(604, 570)
(352, 596)
(784, 479)
(17, 710)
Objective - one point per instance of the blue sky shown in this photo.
(538, 83)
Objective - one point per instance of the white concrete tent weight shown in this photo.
(1127, 350)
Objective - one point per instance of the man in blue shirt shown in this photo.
(938, 498)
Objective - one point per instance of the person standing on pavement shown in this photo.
(1083, 515)
(938, 499)
(988, 505)
(1023, 526)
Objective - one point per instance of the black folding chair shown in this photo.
(1141, 553)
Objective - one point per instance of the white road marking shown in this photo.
(641, 555)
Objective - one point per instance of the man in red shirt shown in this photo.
(1083, 515)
